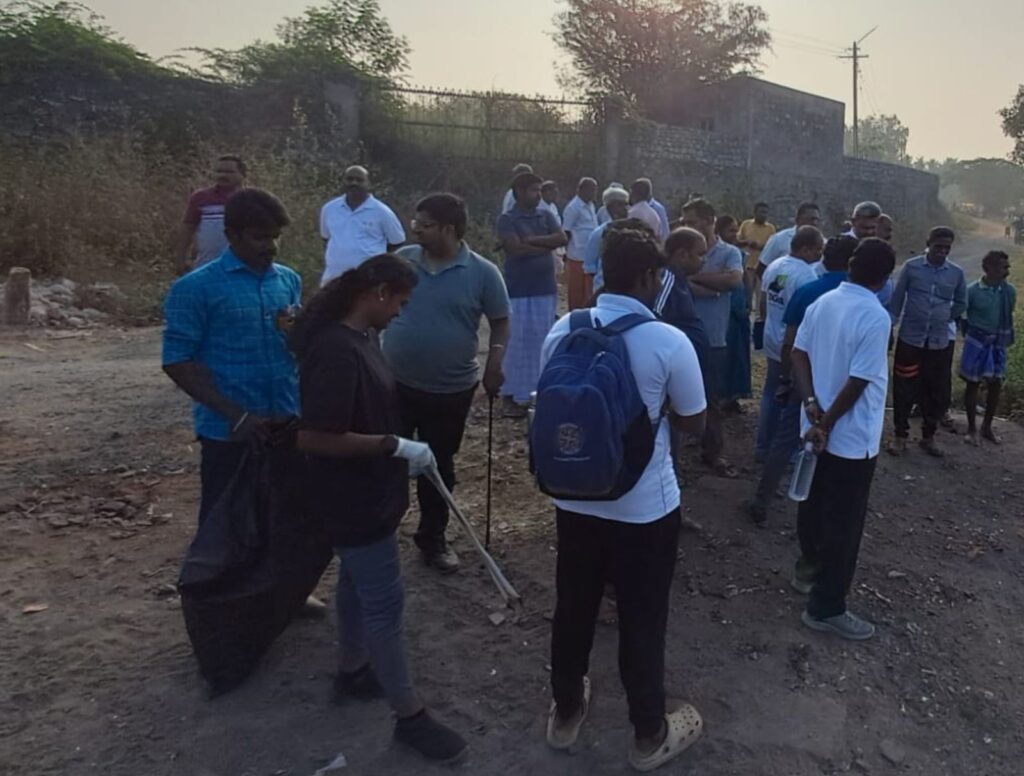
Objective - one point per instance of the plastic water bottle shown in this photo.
(803, 474)
(531, 410)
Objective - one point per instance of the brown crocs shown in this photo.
(682, 728)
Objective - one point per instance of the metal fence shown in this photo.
(495, 126)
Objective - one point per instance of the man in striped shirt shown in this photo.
(202, 238)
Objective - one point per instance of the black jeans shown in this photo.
(924, 377)
(218, 461)
(830, 524)
(638, 560)
(439, 419)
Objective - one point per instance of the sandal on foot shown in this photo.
(682, 728)
(723, 468)
(972, 440)
(562, 735)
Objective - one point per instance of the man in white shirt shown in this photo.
(630, 542)
(841, 369)
(659, 208)
(578, 221)
(807, 214)
(509, 200)
(356, 226)
(778, 429)
(640, 205)
(549, 199)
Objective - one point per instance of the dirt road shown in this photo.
(97, 501)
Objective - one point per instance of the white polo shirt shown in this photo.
(665, 366)
(353, 236)
(845, 333)
(777, 246)
(780, 282)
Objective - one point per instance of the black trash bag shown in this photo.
(255, 559)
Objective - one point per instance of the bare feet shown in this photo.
(929, 446)
(987, 433)
(972, 439)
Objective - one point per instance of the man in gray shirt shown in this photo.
(432, 349)
(711, 289)
(930, 293)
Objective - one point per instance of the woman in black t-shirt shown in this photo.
(358, 471)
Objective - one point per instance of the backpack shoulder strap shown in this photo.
(626, 322)
(580, 319)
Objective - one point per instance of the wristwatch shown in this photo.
(811, 400)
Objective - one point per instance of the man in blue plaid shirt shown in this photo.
(225, 340)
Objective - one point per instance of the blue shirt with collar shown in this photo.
(532, 275)
(662, 217)
(225, 316)
(592, 255)
(926, 299)
(807, 295)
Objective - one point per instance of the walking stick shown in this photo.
(490, 458)
(508, 593)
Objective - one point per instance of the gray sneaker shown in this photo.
(443, 559)
(846, 625)
(802, 586)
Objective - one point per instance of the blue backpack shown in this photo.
(591, 436)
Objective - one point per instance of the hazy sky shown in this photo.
(944, 66)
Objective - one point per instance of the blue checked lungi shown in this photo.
(984, 355)
(530, 320)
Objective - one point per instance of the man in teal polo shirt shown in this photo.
(432, 348)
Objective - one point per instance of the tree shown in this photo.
(881, 137)
(1013, 125)
(639, 50)
(342, 37)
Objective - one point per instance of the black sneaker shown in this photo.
(361, 685)
(432, 739)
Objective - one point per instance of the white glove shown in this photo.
(418, 454)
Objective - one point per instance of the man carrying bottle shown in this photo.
(841, 369)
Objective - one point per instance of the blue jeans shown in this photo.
(780, 447)
(370, 602)
(770, 410)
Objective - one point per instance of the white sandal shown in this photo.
(566, 739)
(683, 728)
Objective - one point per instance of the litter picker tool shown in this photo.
(505, 588)
(490, 461)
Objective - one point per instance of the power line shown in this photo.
(856, 56)
(816, 40)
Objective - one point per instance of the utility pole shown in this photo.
(856, 56)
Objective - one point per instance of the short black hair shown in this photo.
(524, 179)
(873, 261)
(722, 222)
(446, 210)
(992, 256)
(803, 207)
(255, 209)
(838, 251)
(701, 207)
(233, 158)
(642, 188)
(682, 239)
(626, 255)
(805, 237)
(941, 233)
(760, 204)
(867, 210)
